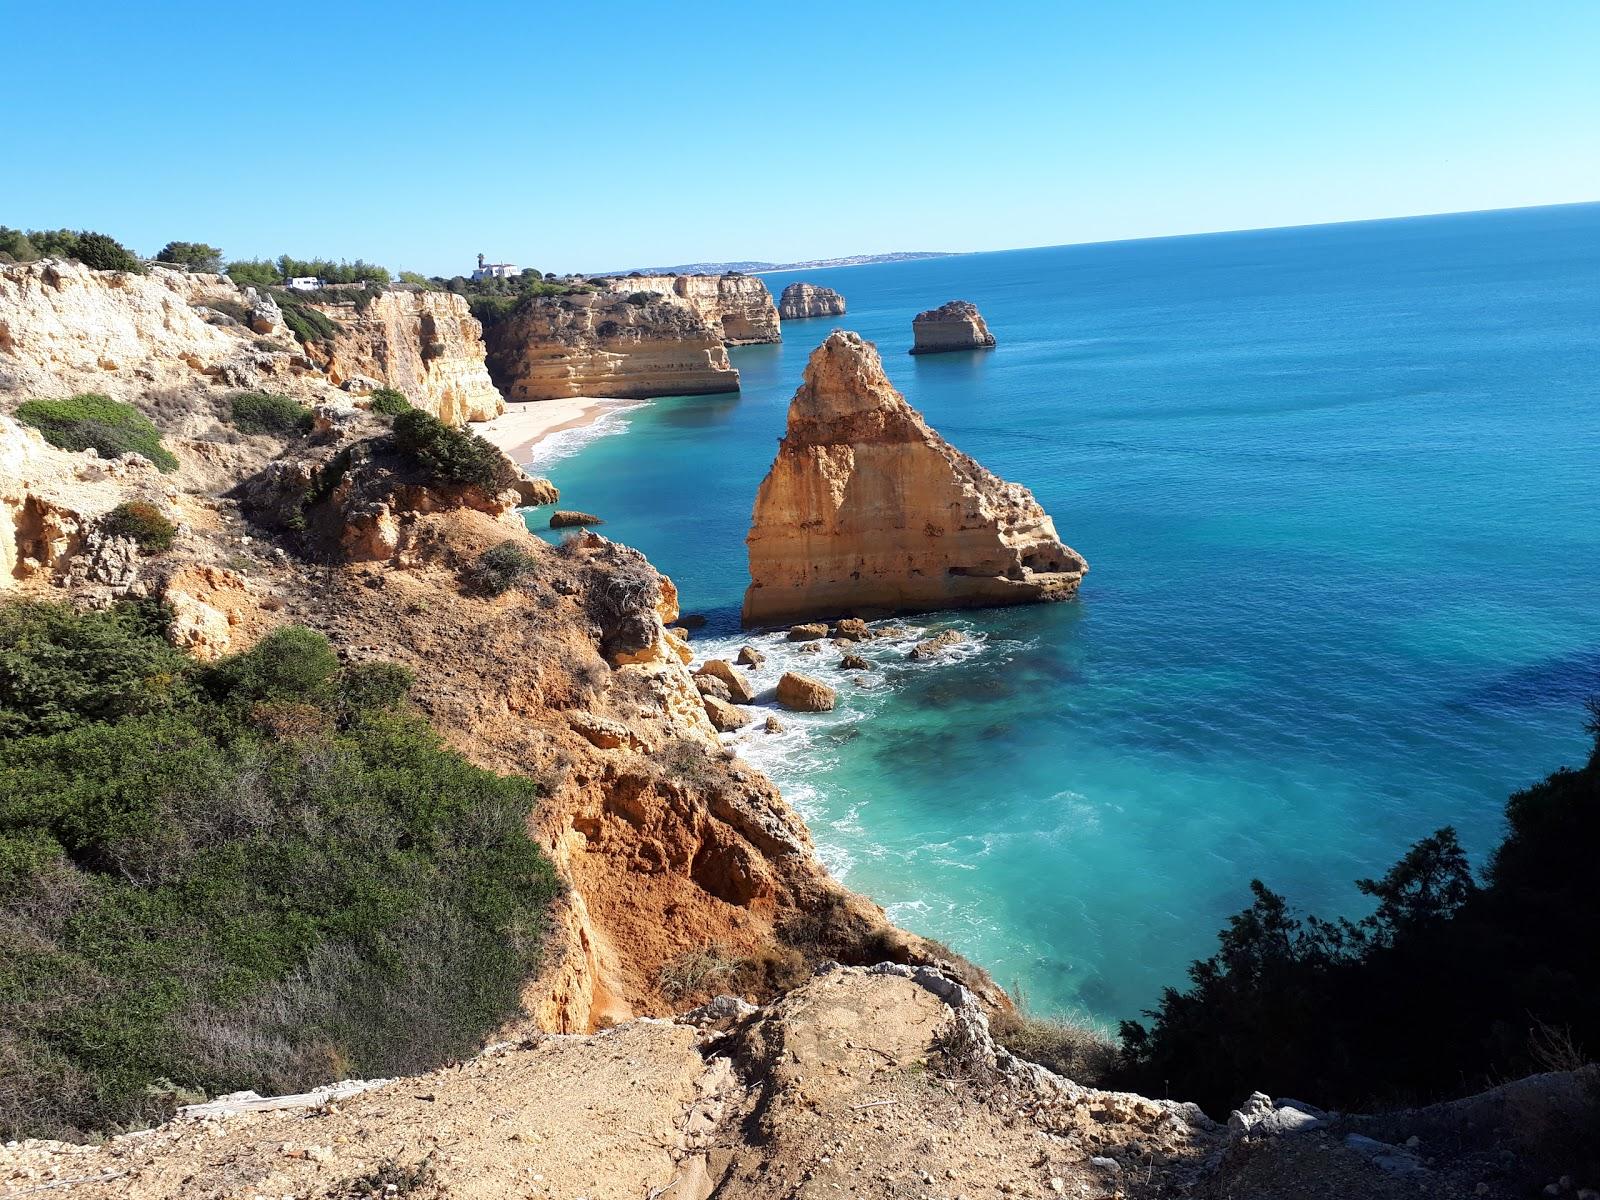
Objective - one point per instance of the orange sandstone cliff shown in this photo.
(867, 509)
(738, 307)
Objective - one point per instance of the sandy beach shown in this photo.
(526, 423)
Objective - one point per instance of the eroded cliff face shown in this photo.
(66, 328)
(801, 301)
(426, 344)
(866, 509)
(738, 307)
(954, 326)
(600, 344)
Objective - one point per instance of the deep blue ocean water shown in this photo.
(1339, 488)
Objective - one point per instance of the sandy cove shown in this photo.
(526, 423)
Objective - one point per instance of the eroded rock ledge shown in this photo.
(867, 509)
(801, 301)
(738, 307)
(603, 344)
(956, 325)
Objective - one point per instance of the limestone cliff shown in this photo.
(804, 300)
(67, 328)
(426, 344)
(954, 326)
(738, 307)
(867, 509)
(602, 344)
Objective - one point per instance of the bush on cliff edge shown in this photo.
(452, 455)
(259, 874)
(90, 421)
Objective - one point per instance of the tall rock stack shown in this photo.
(801, 301)
(954, 326)
(866, 510)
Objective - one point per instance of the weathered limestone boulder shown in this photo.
(804, 300)
(802, 693)
(866, 508)
(425, 344)
(953, 326)
(854, 662)
(710, 685)
(600, 732)
(532, 492)
(600, 344)
(725, 717)
(749, 656)
(737, 684)
(851, 629)
(568, 519)
(738, 307)
(809, 631)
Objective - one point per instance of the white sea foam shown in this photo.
(564, 443)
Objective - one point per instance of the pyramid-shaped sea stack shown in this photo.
(868, 510)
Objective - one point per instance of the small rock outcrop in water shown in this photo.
(954, 326)
(564, 518)
(868, 509)
(802, 300)
(802, 693)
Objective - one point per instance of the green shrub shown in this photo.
(255, 272)
(498, 568)
(450, 454)
(306, 323)
(388, 402)
(143, 523)
(257, 874)
(90, 421)
(267, 412)
(105, 253)
(197, 256)
(642, 298)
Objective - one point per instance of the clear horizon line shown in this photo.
(1157, 237)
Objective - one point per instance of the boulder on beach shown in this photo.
(954, 326)
(802, 693)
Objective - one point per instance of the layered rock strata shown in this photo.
(738, 307)
(954, 326)
(801, 301)
(867, 509)
(425, 344)
(601, 344)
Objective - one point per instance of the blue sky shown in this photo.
(574, 137)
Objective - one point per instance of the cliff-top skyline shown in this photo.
(738, 133)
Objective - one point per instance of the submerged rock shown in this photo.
(935, 646)
(954, 326)
(866, 508)
(802, 300)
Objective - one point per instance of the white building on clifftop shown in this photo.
(494, 270)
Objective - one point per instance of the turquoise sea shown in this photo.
(1339, 488)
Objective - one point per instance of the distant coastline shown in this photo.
(754, 267)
